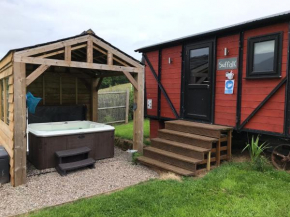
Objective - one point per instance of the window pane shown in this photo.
(264, 56)
(199, 65)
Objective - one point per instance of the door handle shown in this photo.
(81, 136)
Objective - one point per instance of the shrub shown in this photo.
(258, 161)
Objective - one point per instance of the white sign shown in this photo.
(149, 103)
(229, 86)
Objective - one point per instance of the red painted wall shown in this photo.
(271, 116)
(171, 80)
(151, 83)
(226, 104)
(155, 125)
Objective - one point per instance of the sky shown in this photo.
(127, 24)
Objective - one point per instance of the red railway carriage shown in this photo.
(235, 76)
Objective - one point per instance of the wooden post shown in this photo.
(90, 51)
(208, 161)
(229, 145)
(20, 127)
(139, 113)
(110, 58)
(94, 101)
(218, 152)
(127, 106)
(67, 53)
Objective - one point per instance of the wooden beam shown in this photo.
(50, 47)
(62, 51)
(117, 53)
(94, 100)
(20, 127)
(74, 64)
(90, 53)
(114, 58)
(67, 53)
(7, 60)
(110, 59)
(139, 114)
(127, 106)
(131, 79)
(35, 74)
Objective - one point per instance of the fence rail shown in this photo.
(113, 107)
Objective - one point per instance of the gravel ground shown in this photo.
(48, 188)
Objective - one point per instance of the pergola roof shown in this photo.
(88, 32)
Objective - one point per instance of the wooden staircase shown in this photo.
(185, 147)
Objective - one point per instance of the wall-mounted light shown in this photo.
(226, 51)
(169, 60)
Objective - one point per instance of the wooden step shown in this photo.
(187, 138)
(179, 148)
(209, 130)
(177, 160)
(64, 167)
(164, 166)
(72, 152)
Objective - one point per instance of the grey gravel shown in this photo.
(48, 188)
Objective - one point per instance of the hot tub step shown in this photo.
(72, 152)
(64, 167)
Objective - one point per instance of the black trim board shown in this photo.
(287, 90)
(240, 77)
(161, 86)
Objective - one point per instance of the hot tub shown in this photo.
(47, 138)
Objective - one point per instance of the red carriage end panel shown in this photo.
(225, 104)
(171, 79)
(151, 83)
(271, 116)
(155, 125)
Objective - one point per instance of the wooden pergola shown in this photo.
(89, 59)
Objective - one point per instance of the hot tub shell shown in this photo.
(47, 138)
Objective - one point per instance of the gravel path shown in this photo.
(51, 189)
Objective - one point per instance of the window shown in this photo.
(264, 56)
(4, 98)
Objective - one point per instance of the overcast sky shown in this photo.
(127, 24)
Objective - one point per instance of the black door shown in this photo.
(198, 82)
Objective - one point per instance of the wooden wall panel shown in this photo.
(225, 104)
(151, 83)
(155, 125)
(7, 130)
(171, 80)
(59, 88)
(271, 115)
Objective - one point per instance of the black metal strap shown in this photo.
(161, 86)
(263, 103)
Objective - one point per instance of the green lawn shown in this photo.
(230, 190)
(125, 131)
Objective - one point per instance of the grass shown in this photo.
(234, 189)
(125, 131)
